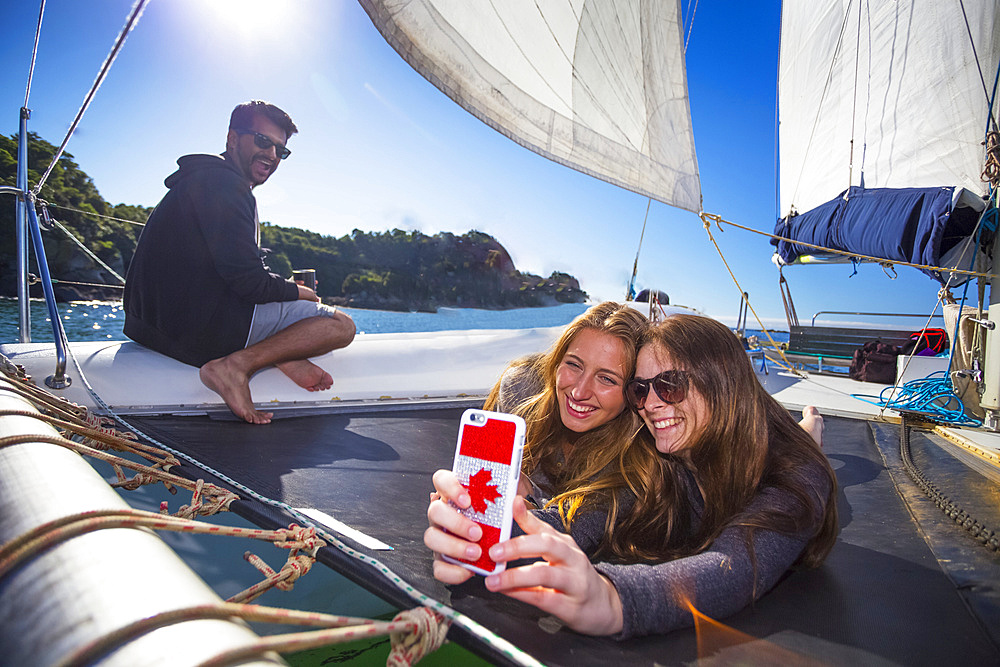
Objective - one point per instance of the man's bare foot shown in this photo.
(812, 422)
(233, 386)
(307, 375)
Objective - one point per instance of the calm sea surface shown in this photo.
(102, 320)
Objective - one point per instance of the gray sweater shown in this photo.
(719, 581)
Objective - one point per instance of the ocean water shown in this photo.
(103, 320)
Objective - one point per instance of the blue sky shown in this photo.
(380, 148)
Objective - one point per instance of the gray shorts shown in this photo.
(270, 318)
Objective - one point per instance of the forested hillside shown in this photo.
(395, 269)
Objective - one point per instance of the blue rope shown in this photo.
(932, 395)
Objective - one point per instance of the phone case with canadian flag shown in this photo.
(488, 464)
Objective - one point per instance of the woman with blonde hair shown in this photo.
(736, 495)
(580, 447)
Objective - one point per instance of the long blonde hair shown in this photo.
(605, 461)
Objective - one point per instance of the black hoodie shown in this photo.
(197, 270)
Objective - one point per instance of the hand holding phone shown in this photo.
(488, 464)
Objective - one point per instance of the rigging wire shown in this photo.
(690, 22)
(34, 53)
(854, 101)
(975, 55)
(852, 255)
(777, 126)
(92, 213)
(868, 96)
(635, 265)
(87, 251)
(133, 18)
(707, 220)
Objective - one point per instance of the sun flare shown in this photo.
(252, 20)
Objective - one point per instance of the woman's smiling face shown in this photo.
(675, 426)
(589, 381)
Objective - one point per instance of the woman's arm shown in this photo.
(722, 579)
(717, 582)
(635, 600)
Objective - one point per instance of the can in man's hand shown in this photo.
(305, 277)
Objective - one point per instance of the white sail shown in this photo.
(905, 92)
(597, 86)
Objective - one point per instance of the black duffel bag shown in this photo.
(875, 362)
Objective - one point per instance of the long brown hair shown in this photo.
(603, 462)
(750, 442)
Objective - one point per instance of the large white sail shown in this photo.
(597, 86)
(902, 99)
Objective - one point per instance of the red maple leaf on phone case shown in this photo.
(481, 491)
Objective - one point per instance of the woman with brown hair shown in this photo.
(737, 494)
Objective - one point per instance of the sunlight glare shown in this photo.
(250, 21)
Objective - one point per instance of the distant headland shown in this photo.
(391, 270)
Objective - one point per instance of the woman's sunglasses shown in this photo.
(264, 142)
(670, 386)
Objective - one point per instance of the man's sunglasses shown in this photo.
(264, 142)
(670, 386)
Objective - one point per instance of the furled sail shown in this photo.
(597, 86)
(877, 96)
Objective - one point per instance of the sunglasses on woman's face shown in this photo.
(670, 386)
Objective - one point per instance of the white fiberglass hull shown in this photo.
(378, 368)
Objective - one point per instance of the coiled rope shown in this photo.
(991, 171)
(932, 396)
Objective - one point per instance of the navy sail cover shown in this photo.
(914, 225)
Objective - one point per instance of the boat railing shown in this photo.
(826, 347)
(27, 223)
(846, 312)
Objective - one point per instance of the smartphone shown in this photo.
(488, 464)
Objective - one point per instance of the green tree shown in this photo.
(393, 269)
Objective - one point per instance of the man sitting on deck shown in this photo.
(197, 288)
